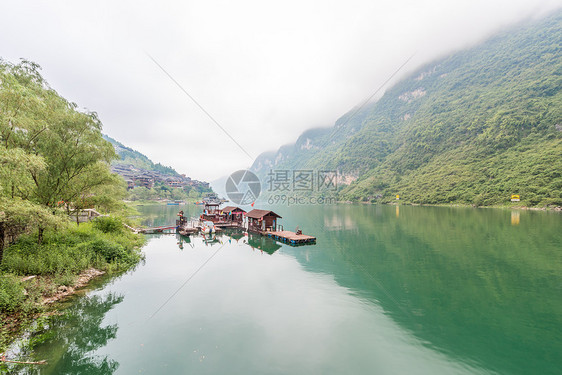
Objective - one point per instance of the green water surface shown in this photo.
(386, 290)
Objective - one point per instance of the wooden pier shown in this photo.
(161, 229)
(186, 231)
(229, 224)
(291, 237)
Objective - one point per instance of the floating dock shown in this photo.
(291, 237)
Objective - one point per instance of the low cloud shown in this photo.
(265, 71)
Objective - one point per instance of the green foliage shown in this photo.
(163, 191)
(66, 278)
(108, 224)
(51, 155)
(35, 120)
(12, 293)
(472, 128)
(110, 251)
(16, 170)
(18, 216)
(72, 251)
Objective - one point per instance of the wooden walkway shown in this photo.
(229, 224)
(186, 231)
(291, 237)
(157, 229)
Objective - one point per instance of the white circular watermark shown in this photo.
(243, 187)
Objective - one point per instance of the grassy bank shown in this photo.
(63, 255)
(505, 206)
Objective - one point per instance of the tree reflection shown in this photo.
(266, 244)
(69, 342)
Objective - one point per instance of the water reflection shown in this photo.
(515, 217)
(76, 335)
(427, 291)
(265, 244)
(160, 215)
(236, 234)
(239, 237)
(184, 240)
(467, 282)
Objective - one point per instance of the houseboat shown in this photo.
(233, 216)
(211, 212)
(261, 221)
(265, 222)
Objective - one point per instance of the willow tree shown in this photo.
(35, 119)
(66, 156)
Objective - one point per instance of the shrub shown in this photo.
(12, 293)
(108, 224)
(72, 250)
(109, 250)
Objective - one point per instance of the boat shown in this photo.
(176, 202)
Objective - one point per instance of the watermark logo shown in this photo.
(301, 180)
(284, 186)
(243, 187)
(301, 187)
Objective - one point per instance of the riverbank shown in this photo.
(461, 205)
(161, 202)
(51, 291)
(33, 276)
(505, 207)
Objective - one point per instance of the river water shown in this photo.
(386, 290)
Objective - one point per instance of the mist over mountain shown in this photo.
(473, 128)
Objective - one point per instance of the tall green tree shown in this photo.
(51, 154)
(35, 120)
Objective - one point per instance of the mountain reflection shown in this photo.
(464, 281)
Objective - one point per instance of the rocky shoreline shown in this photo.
(64, 291)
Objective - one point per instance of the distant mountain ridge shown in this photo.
(137, 168)
(137, 159)
(472, 128)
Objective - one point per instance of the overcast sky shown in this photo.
(265, 70)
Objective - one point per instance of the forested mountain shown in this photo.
(128, 156)
(473, 127)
